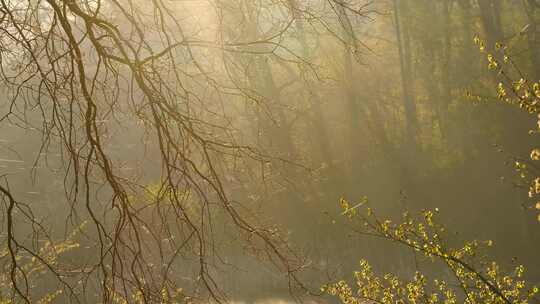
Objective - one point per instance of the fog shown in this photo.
(251, 151)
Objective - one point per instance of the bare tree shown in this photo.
(87, 74)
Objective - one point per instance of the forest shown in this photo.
(270, 151)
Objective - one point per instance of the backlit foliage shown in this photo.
(514, 88)
(25, 269)
(166, 296)
(475, 278)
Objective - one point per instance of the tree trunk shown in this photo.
(316, 116)
(532, 39)
(490, 16)
(403, 43)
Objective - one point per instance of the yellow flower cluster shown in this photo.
(479, 281)
(519, 91)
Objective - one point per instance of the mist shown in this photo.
(269, 151)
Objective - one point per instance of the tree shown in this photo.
(82, 71)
